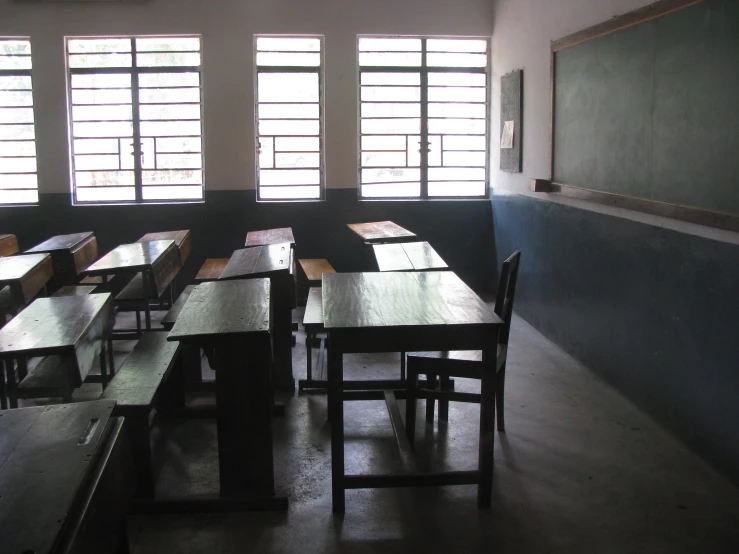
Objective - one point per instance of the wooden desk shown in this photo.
(8, 245)
(183, 240)
(407, 256)
(406, 311)
(233, 320)
(380, 232)
(158, 261)
(75, 327)
(26, 275)
(70, 256)
(275, 261)
(270, 236)
(66, 479)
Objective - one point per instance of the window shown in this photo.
(18, 183)
(136, 131)
(289, 113)
(423, 115)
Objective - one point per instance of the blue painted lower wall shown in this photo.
(653, 311)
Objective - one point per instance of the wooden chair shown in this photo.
(463, 363)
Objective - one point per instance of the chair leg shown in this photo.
(499, 394)
(410, 404)
(445, 385)
(430, 402)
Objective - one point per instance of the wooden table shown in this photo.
(380, 232)
(407, 256)
(157, 261)
(406, 311)
(26, 275)
(277, 262)
(66, 479)
(183, 240)
(75, 327)
(270, 236)
(70, 256)
(233, 320)
(8, 245)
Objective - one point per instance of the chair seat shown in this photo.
(460, 358)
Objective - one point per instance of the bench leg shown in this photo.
(430, 402)
(309, 356)
(410, 405)
(3, 388)
(173, 393)
(191, 364)
(140, 440)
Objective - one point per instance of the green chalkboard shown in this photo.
(652, 111)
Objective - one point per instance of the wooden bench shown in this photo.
(314, 268)
(49, 379)
(313, 324)
(212, 269)
(169, 319)
(8, 245)
(147, 379)
(77, 290)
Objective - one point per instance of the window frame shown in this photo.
(23, 73)
(424, 71)
(135, 72)
(321, 113)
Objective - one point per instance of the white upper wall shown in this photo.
(227, 28)
(522, 38)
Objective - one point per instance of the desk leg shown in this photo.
(3, 391)
(336, 417)
(487, 425)
(147, 307)
(282, 338)
(244, 398)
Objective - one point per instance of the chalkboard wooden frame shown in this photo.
(721, 220)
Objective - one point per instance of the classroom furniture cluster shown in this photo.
(62, 301)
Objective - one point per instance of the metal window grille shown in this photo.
(18, 181)
(423, 117)
(136, 119)
(289, 118)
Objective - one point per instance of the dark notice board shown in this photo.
(651, 111)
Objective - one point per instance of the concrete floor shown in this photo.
(580, 469)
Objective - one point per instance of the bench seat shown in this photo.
(171, 316)
(49, 379)
(75, 290)
(212, 269)
(314, 268)
(146, 377)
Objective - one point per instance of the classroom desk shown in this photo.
(275, 261)
(380, 232)
(270, 236)
(407, 256)
(183, 240)
(70, 256)
(406, 311)
(8, 245)
(66, 479)
(233, 320)
(26, 275)
(157, 261)
(75, 327)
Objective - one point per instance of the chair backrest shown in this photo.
(506, 293)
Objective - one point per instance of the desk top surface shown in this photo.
(270, 236)
(60, 242)
(258, 260)
(407, 256)
(45, 457)
(221, 308)
(14, 268)
(139, 255)
(178, 236)
(381, 231)
(52, 324)
(407, 299)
